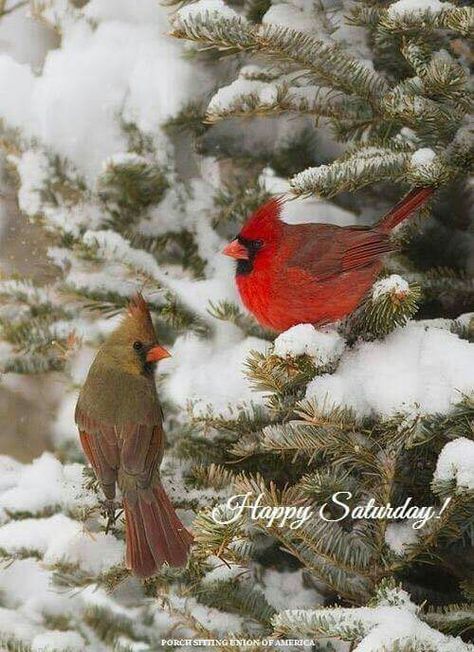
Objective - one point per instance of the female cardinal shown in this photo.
(120, 424)
(289, 274)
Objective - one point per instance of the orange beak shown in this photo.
(157, 353)
(236, 250)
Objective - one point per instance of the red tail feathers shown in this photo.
(154, 533)
(405, 207)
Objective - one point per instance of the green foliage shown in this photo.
(432, 99)
(233, 596)
(189, 118)
(454, 619)
(109, 627)
(227, 311)
(363, 167)
(369, 460)
(416, 96)
(132, 183)
(230, 34)
(12, 644)
(383, 311)
(354, 625)
(237, 197)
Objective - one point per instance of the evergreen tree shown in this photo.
(356, 103)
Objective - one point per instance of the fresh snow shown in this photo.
(402, 7)
(123, 159)
(126, 51)
(394, 285)
(46, 483)
(54, 641)
(309, 179)
(194, 294)
(26, 585)
(422, 157)
(223, 572)
(310, 210)
(298, 16)
(305, 210)
(61, 539)
(286, 589)
(208, 375)
(325, 347)
(211, 618)
(18, 625)
(111, 244)
(456, 463)
(29, 595)
(393, 622)
(25, 40)
(34, 169)
(400, 535)
(417, 368)
(238, 92)
(215, 9)
(10, 470)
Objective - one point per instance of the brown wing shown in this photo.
(130, 454)
(101, 447)
(324, 250)
(142, 449)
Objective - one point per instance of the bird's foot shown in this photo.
(109, 508)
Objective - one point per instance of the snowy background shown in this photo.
(70, 80)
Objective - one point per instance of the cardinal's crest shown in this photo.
(139, 318)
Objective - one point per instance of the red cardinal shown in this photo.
(290, 274)
(120, 423)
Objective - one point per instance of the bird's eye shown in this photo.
(137, 345)
(258, 244)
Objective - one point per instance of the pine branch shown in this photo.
(364, 625)
(230, 312)
(431, 120)
(237, 197)
(236, 597)
(459, 19)
(444, 531)
(327, 61)
(390, 305)
(231, 35)
(214, 538)
(453, 619)
(214, 475)
(328, 433)
(325, 548)
(317, 102)
(132, 183)
(363, 168)
(13, 644)
(281, 376)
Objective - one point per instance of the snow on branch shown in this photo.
(426, 16)
(325, 347)
(392, 622)
(456, 465)
(254, 97)
(392, 302)
(419, 369)
(430, 118)
(364, 167)
(213, 25)
(328, 61)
